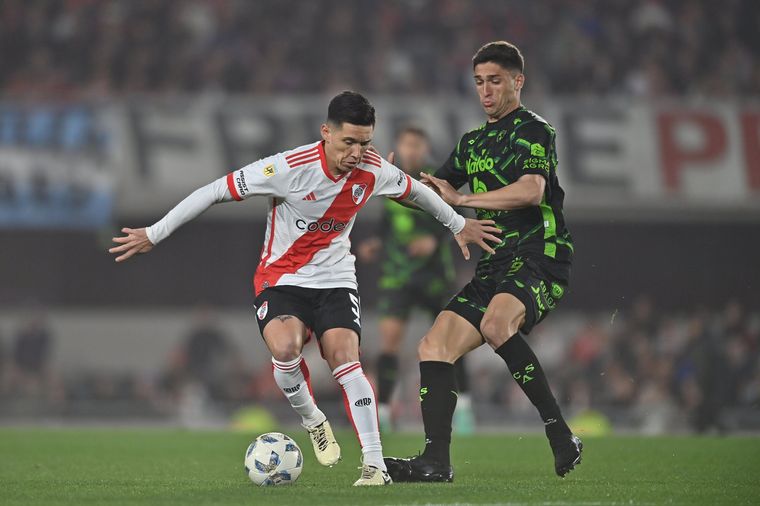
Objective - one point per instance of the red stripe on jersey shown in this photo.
(304, 161)
(295, 156)
(408, 188)
(271, 234)
(372, 154)
(231, 186)
(371, 161)
(301, 252)
(300, 153)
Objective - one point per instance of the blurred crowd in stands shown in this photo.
(643, 369)
(105, 48)
(653, 370)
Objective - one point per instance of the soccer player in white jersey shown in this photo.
(305, 283)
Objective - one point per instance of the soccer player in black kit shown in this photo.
(510, 164)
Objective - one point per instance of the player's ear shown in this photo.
(325, 131)
(519, 81)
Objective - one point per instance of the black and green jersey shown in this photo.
(399, 227)
(496, 155)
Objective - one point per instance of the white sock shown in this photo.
(293, 379)
(361, 407)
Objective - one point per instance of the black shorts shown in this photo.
(427, 290)
(399, 302)
(320, 309)
(536, 284)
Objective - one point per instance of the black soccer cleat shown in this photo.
(567, 453)
(418, 469)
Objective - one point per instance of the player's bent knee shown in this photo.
(431, 348)
(285, 350)
(339, 357)
(496, 331)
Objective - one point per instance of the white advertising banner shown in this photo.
(647, 159)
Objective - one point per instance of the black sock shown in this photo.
(438, 398)
(526, 370)
(387, 372)
(463, 383)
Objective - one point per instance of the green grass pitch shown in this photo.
(161, 467)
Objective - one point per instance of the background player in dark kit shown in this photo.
(417, 271)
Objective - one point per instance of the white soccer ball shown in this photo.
(273, 459)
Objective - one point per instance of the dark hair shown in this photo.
(350, 107)
(502, 53)
(412, 130)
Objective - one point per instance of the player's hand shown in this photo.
(443, 188)
(135, 241)
(368, 249)
(422, 247)
(477, 232)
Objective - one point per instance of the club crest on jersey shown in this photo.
(357, 193)
(262, 312)
(269, 171)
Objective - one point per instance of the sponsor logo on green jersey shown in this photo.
(479, 164)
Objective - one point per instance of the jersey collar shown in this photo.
(323, 163)
(505, 120)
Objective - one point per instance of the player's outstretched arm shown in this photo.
(525, 192)
(134, 241)
(142, 240)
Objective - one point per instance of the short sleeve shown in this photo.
(267, 177)
(533, 146)
(390, 181)
(452, 170)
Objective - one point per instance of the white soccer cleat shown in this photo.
(323, 440)
(372, 476)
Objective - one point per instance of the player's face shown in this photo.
(345, 145)
(498, 89)
(413, 152)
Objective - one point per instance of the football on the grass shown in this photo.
(273, 459)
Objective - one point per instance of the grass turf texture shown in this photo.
(159, 467)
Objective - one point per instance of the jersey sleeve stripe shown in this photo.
(301, 154)
(371, 158)
(231, 186)
(371, 161)
(293, 161)
(408, 188)
(304, 161)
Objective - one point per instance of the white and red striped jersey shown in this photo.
(311, 213)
